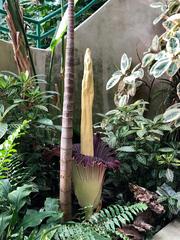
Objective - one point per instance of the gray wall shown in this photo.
(119, 26)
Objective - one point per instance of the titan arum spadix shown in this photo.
(92, 156)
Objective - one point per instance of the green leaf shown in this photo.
(34, 218)
(8, 110)
(160, 67)
(147, 59)
(141, 159)
(51, 204)
(18, 197)
(172, 70)
(5, 220)
(171, 115)
(41, 107)
(138, 74)
(5, 188)
(166, 149)
(113, 80)
(173, 45)
(123, 100)
(141, 133)
(112, 112)
(169, 175)
(1, 109)
(162, 173)
(177, 123)
(178, 90)
(127, 149)
(162, 55)
(125, 63)
(165, 128)
(156, 131)
(3, 129)
(45, 121)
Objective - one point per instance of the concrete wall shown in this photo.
(117, 27)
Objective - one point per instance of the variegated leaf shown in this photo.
(125, 63)
(123, 100)
(147, 59)
(155, 44)
(172, 70)
(171, 115)
(160, 67)
(173, 45)
(113, 81)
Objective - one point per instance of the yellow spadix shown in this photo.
(87, 98)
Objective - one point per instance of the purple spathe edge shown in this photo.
(103, 155)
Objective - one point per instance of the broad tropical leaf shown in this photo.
(34, 218)
(5, 188)
(19, 196)
(5, 220)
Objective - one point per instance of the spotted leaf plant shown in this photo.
(167, 8)
(164, 53)
(128, 80)
(163, 57)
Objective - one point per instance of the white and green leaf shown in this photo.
(160, 67)
(171, 115)
(172, 70)
(125, 63)
(138, 74)
(173, 45)
(155, 44)
(147, 59)
(169, 175)
(123, 100)
(113, 80)
(127, 149)
(3, 129)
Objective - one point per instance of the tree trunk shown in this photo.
(67, 119)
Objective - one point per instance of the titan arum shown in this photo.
(92, 157)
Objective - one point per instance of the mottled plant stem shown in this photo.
(67, 119)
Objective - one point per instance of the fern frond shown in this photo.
(79, 231)
(109, 219)
(11, 165)
(17, 173)
(102, 225)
